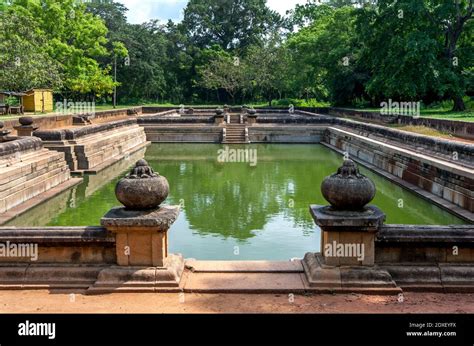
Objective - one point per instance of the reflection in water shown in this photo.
(235, 210)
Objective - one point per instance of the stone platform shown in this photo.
(29, 174)
(92, 148)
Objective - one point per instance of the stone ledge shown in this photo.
(19, 145)
(140, 279)
(56, 235)
(347, 221)
(55, 276)
(448, 278)
(244, 266)
(120, 218)
(82, 131)
(425, 234)
(361, 279)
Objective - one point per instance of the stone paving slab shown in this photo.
(244, 266)
(244, 283)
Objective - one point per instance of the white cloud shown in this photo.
(281, 6)
(140, 11)
(143, 10)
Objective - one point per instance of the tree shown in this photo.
(24, 61)
(410, 48)
(325, 54)
(75, 39)
(231, 24)
(267, 69)
(223, 72)
(452, 17)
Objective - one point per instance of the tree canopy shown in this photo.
(235, 51)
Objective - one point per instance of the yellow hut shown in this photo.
(38, 100)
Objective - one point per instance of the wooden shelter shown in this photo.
(38, 100)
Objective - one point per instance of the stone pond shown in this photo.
(251, 210)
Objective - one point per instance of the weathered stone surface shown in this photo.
(26, 121)
(142, 238)
(55, 276)
(164, 278)
(94, 147)
(244, 283)
(348, 189)
(425, 244)
(244, 266)
(369, 220)
(450, 181)
(19, 145)
(340, 279)
(82, 245)
(159, 219)
(28, 170)
(142, 188)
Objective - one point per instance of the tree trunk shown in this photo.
(458, 104)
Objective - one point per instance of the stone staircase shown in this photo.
(235, 134)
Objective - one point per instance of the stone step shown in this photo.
(197, 266)
(244, 282)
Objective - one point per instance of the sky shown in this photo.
(143, 10)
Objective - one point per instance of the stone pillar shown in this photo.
(26, 127)
(219, 117)
(252, 116)
(346, 262)
(141, 232)
(142, 235)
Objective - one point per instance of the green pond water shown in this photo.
(235, 210)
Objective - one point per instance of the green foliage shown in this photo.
(12, 101)
(231, 24)
(241, 51)
(57, 35)
(24, 59)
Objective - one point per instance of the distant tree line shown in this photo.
(344, 52)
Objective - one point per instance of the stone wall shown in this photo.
(93, 147)
(28, 170)
(284, 134)
(67, 257)
(44, 122)
(447, 149)
(434, 258)
(463, 129)
(68, 245)
(424, 244)
(451, 182)
(184, 133)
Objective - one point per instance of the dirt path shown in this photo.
(67, 302)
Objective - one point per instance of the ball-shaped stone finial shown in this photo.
(219, 111)
(26, 121)
(348, 189)
(252, 111)
(142, 188)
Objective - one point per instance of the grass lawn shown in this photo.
(439, 113)
(423, 130)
